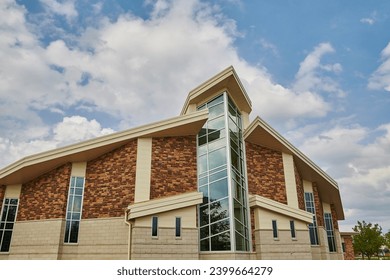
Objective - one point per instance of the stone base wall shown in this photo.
(284, 247)
(165, 246)
(36, 240)
(99, 239)
(226, 256)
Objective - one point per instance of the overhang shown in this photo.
(228, 81)
(32, 166)
(160, 205)
(280, 208)
(260, 133)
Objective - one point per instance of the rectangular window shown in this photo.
(292, 229)
(8, 217)
(178, 227)
(154, 226)
(329, 232)
(274, 229)
(310, 207)
(73, 210)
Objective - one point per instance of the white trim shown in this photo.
(155, 206)
(283, 209)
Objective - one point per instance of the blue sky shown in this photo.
(317, 71)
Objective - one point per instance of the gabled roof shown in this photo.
(226, 80)
(32, 166)
(260, 133)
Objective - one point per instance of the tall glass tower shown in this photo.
(223, 215)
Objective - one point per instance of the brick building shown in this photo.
(208, 184)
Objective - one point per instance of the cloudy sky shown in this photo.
(317, 71)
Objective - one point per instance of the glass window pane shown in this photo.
(9, 225)
(217, 143)
(154, 226)
(202, 164)
(74, 232)
(218, 189)
(239, 227)
(205, 245)
(202, 132)
(77, 204)
(202, 140)
(204, 232)
(216, 110)
(79, 182)
(221, 242)
(217, 158)
(11, 214)
(216, 124)
(217, 100)
(203, 181)
(67, 229)
(76, 216)
(2, 226)
(218, 175)
(240, 242)
(219, 210)
(204, 215)
(5, 210)
(72, 181)
(6, 242)
(215, 135)
(220, 226)
(205, 191)
(78, 191)
(13, 201)
(274, 229)
(178, 227)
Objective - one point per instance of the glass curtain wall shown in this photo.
(223, 215)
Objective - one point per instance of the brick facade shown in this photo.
(110, 183)
(2, 194)
(318, 205)
(349, 253)
(45, 197)
(334, 217)
(300, 189)
(265, 172)
(173, 166)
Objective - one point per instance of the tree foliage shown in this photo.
(387, 239)
(368, 239)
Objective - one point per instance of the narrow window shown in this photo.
(274, 229)
(329, 232)
(73, 211)
(292, 229)
(178, 227)
(154, 226)
(8, 217)
(310, 207)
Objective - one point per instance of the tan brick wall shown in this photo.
(283, 248)
(349, 253)
(265, 173)
(165, 246)
(173, 166)
(318, 205)
(36, 239)
(46, 196)
(110, 183)
(300, 189)
(99, 239)
(226, 256)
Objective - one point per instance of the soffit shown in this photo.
(228, 81)
(260, 133)
(33, 166)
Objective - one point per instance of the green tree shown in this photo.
(368, 240)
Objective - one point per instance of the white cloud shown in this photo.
(64, 8)
(311, 78)
(69, 130)
(357, 157)
(380, 79)
(371, 19)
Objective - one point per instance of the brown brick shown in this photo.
(265, 172)
(110, 182)
(173, 166)
(2, 194)
(349, 253)
(45, 197)
(318, 205)
(300, 189)
(334, 217)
